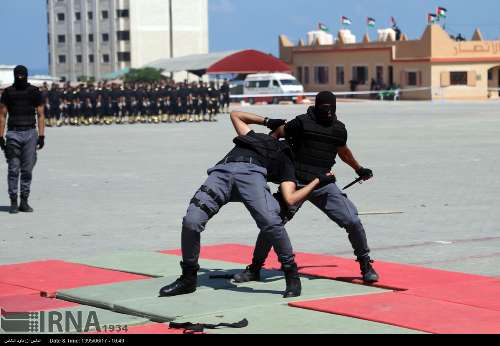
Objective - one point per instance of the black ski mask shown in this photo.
(325, 108)
(20, 77)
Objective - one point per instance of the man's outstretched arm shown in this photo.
(293, 197)
(242, 120)
(347, 156)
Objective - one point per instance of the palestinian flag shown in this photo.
(371, 22)
(323, 27)
(346, 20)
(442, 12)
(432, 18)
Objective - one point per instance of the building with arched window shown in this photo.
(436, 66)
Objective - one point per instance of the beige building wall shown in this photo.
(434, 61)
(477, 81)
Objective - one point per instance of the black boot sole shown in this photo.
(292, 295)
(175, 294)
(244, 280)
(371, 281)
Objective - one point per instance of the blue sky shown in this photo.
(239, 24)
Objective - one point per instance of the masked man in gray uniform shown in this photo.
(316, 138)
(22, 102)
(242, 176)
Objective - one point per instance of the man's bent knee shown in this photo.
(194, 221)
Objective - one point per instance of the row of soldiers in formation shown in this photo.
(106, 104)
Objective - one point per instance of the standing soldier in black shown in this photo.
(115, 100)
(225, 92)
(54, 96)
(92, 95)
(23, 103)
(154, 108)
(176, 101)
(147, 103)
(45, 96)
(106, 105)
(214, 96)
(127, 101)
(196, 102)
(170, 102)
(98, 104)
(162, 96)
(134, 105)
(184, 101)
(65, 105)
(87, 107)
(204, 100)
(122, 104)
(70, 104)
(83, 112)
(140, 103)
(190, 103)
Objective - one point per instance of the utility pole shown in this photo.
(171, 22)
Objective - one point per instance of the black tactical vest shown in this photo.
(270, 149)
(315, 151)
(21, 107)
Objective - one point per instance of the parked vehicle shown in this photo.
(271, 86)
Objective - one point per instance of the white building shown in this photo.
(91, 38)
(7, 77)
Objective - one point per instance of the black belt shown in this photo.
(21, 128)
(242, 159)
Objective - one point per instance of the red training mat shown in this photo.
(48, 277)
(481, 294)
(417, 313)
(32, 303)
(12, 290)
(393, 276)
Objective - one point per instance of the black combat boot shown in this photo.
(24, 207)
(370, 276)
(293, 285)
(186, 284)
(14, 208)
(252, 273)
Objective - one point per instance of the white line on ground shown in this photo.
(381, 212)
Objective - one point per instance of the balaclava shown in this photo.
(20, 77)
(325, 108)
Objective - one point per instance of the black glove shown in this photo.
(365, 173)
(327, 180)
(2, 144)
(274, 124)
(41, 142)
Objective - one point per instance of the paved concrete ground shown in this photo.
(103, 189)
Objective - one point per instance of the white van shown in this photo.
(273, 84)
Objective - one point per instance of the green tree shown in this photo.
(144, 75)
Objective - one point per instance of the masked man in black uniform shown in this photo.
(22, 102)
(316, 138)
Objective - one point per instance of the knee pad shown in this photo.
(11, 151)
(191, 223)
(354, 227)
